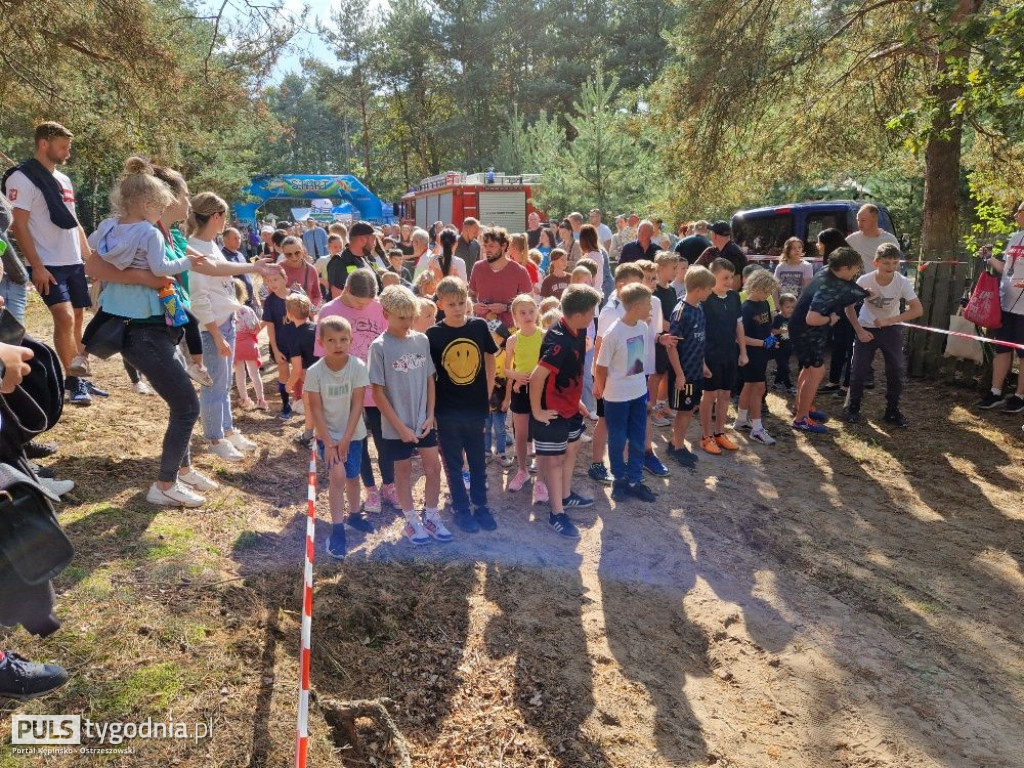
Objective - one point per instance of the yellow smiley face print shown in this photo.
(461, 361)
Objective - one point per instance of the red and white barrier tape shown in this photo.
(302, 739)
(983, 339)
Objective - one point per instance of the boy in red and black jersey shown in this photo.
(556, 385)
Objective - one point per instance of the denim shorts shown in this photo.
(352, 461)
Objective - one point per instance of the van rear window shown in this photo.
(763, 235)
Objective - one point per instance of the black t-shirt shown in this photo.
(690, 248)
(562, 352)
(301, 342)
(781, 324)
(533, 237)
(668, 298)
(826, 294)
(635, 252)
(458, 355)
(343, 265)
(757, 321)
(722, 313)
(735, 254)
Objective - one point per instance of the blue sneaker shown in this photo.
(286, 413)
(336, 545)
(806, 425)
(465, 478)
(599, 473)
(819, 416)
(654, 465)
(562, 525)
(575, 501)
(92, 389)
(683, 457)
(79, 393)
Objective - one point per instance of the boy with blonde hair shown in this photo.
(759, 340)
(402, 377)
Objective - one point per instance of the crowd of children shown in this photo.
(412, 365)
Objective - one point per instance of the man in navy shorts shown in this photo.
(49, 235)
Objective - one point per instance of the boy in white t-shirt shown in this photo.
(334, 386)
(620, 380)
(878, 327)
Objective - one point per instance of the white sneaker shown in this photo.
(435, 527)
(226, 451)
(241, 442)
(57, 487)
(199, 374)
(79, 366)
(760, 436)
(175, 496)
(197, 481)
(143, 388)
(661, 421)
(414, 530)
(745, 424)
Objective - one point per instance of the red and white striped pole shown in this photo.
(302, 741)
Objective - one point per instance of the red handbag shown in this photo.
(983, 309)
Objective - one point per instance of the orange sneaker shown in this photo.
(709, 445)
(725, 442)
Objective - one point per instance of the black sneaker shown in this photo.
(358, 521)
(1014, 404)
(619, 492)
(562, 525)
(852, 416)
(41, 471)
(37, 450)
(829, 387)
(465, 520)
(990, 401)
(575, 501)
(23, 680)
(485, 519)
(869, 384)
(683, 457)
(92, 389)
(839, 394)
(642, 492)
(599, 473)
(305, 439)
(897, 418)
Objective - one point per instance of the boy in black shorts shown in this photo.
(757, 330)
(666, 262)
(723, 347)
(556, 386)
(687, 369)
(301, 356)
(817, 308)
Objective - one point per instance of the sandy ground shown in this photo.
(847, 600)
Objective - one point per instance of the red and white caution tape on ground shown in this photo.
(302, 741)
(997, 342)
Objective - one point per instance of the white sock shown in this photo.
(997, 392)
(758, 427)
(428, 510)
(741, 414)
(410, 514)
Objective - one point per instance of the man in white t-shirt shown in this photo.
(604, 232)
(49, 235)
(869, 236)
(878, 327)
(1011, 300)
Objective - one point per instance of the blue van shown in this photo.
(763, 231)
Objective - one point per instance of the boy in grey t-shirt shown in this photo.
(402, 377)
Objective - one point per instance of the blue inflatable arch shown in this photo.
(302, 187)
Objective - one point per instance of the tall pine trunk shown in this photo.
(940, 284)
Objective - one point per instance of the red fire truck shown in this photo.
(492, 198)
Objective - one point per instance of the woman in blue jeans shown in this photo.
(214, 303)
(150, 345)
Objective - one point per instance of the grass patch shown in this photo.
(145, 691)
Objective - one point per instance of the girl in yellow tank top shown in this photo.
(522, 352)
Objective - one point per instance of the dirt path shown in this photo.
(847, 601)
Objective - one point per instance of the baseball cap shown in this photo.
(722, 228)
(267, 231)
(359, 229)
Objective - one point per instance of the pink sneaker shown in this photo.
(518, 481)
(372, 503)
(389, 495)
(540, 492)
